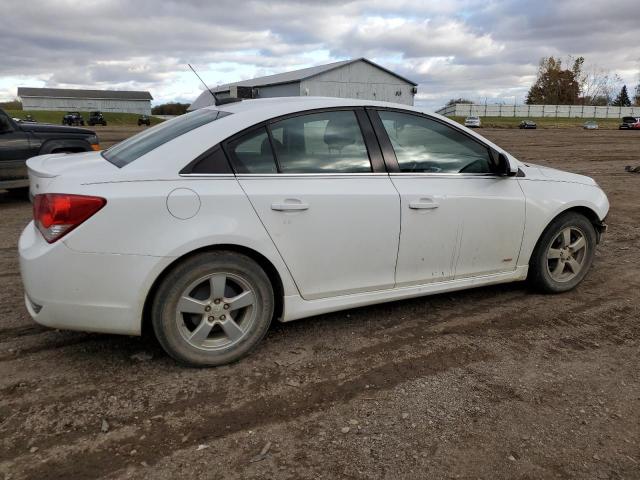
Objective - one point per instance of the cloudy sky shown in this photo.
(477, 49)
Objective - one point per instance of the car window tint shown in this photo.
(213, 161)
(326, 142)
(127, 151)
(425, 145)
(251, 153)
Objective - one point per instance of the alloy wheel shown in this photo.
(216, 311)
(566, 254)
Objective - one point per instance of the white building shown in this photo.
(67, 99)
(357, 78)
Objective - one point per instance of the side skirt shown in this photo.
(295, 307)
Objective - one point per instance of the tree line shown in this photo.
(578, 85)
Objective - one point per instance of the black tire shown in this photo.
(540, 276)
(171, 326)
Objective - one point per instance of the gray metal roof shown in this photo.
(302, 74)
(74, 93)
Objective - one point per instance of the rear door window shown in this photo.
(252, 153)
(324, 142)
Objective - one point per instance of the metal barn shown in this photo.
(66, 99)
(358, 78)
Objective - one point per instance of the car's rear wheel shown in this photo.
(563, 254)
(213, 308)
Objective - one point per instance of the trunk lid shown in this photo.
(78, 167)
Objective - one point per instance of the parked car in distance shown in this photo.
(591, 125)
(29, 119)
(218, 221)
(96, 118)
(144, 120)
(630, 123)
(22, 140)
(472, 122)
(73, 118)
(526, 124)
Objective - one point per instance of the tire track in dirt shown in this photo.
(259, 412)
(368, 377)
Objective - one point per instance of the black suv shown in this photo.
(73, 118)
(96, 118)
(144, 120)
(23, 140)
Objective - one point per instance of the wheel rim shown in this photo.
(216, 311)
(566, 254)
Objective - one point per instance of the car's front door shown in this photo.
(459, 219)
(332, 215)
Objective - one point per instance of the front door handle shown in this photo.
(290, 204)
(424, 204)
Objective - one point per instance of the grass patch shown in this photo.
(543, 122)
(54, 117)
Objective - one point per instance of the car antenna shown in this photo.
(217, 101)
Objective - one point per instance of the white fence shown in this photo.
(527, 111)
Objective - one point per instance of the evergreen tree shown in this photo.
(637, 97)
(622, 100)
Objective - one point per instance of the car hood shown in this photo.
(539, 172)
(46, 128)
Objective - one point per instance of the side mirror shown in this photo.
(503, 165)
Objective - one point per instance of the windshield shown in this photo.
(629, 120)
(134, 147)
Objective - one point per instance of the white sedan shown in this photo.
(472, 122)
(211, 225)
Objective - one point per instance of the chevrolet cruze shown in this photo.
(211, 225)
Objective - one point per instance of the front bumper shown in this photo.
(84, 291)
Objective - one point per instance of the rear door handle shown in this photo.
(290, 204)
(424, 204)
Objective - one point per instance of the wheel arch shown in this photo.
(260, 259)
(55, 146)
(583, 210)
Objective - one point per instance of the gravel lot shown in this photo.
(496, 382)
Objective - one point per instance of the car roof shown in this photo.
(294, 104)
(256, 110)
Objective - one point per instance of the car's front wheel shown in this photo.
(564, 253)
(212, 308)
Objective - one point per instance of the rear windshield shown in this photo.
(134, 147)
(629, 120)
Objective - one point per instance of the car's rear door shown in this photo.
(317, 181)
(459, 219)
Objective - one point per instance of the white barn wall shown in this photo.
(359, 80)
(141, 107)
(285, 90)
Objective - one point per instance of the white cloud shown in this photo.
(474, 48)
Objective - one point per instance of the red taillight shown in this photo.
(56, 214)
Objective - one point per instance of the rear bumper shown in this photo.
(84, 291)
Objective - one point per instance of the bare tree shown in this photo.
(598, 85)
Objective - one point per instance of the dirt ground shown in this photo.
(491, 383)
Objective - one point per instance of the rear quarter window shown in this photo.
(131, 149)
